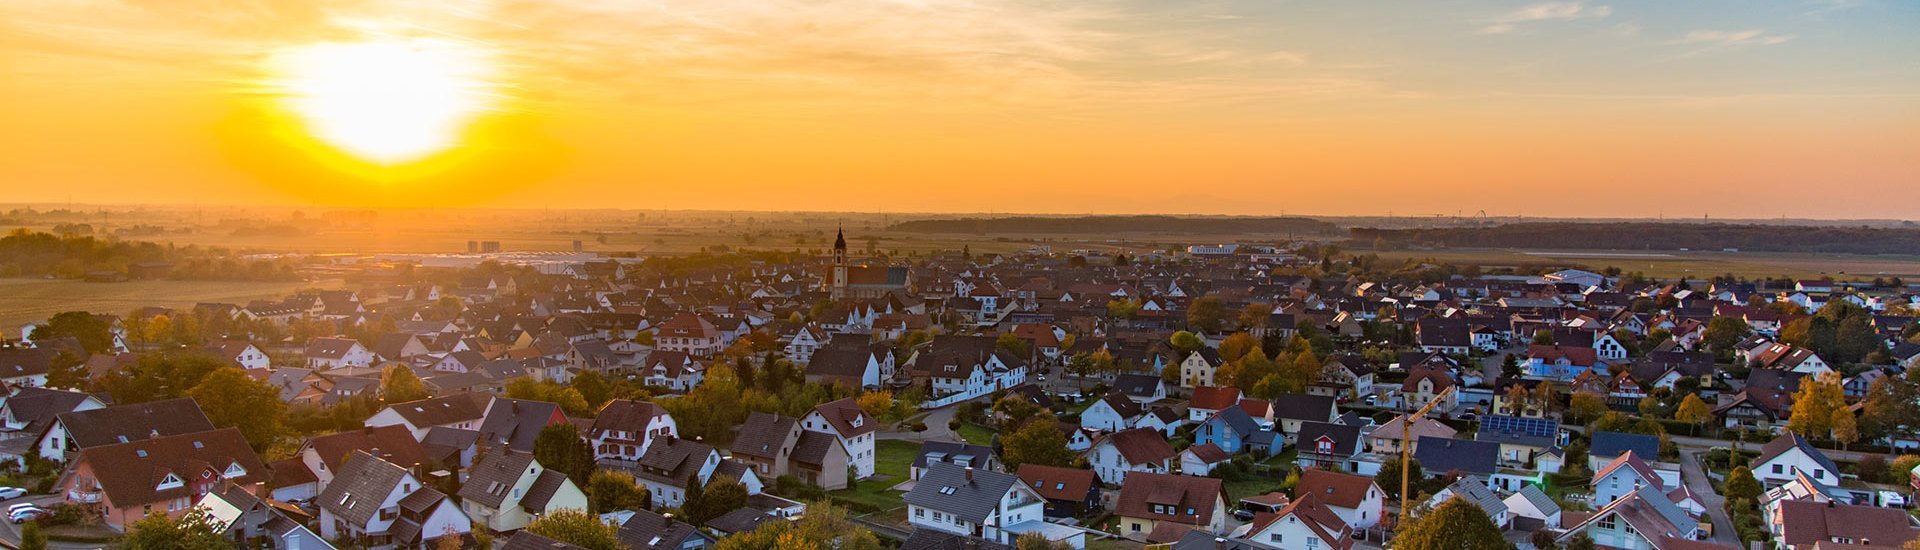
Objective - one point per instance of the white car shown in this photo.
(24, 515)
(10, 493)
(18, 506)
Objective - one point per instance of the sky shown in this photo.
(1566, 108)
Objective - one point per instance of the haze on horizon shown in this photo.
(1808, 109)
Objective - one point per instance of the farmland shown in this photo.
(28, 300)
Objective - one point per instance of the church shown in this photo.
(860, 281)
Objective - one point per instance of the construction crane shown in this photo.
(1406, 442)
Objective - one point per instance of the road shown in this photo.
(10, 533)
(937, 429)
(1694, 474)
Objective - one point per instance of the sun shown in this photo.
(388, 102)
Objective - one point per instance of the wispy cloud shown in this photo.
(1544, 11)
(1752, 37)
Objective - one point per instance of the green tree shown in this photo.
(1036, 541)
(1017, 410)
(613, 490)
(1579, 541)
(1724, 332)
(1010, 343)
(1186, 342)
(1207, 313)
(1123, 308)
(1237, 345)
(1846, 428)
(230, 398)
(1742, 485)
(560, 448)
(399, 384)
(594, 388)
(67, 371)
(824, 526)
(1389, 475)
(719, 495)
(192, 531)
(1454, 525)
(1586, 406)
(579, 528)
(1036, 443)
(1814, 404)
(93, 333)
(1890, 406)
(158, 376)
(31, 537)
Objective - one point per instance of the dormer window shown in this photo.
(234, 470)
(170, 482)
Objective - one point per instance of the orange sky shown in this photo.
(1807, 109)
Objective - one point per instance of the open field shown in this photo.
(27, 300)
(1672, 263)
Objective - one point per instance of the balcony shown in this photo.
(84, 496)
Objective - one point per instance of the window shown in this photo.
(1313, 542)
(1607, 522)
(919, 512)
(1779, 469)
(1276, 537)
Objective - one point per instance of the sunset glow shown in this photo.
(388, 102)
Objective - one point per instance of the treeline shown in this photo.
(1121, 224)
(1651, 236)
(25, 253)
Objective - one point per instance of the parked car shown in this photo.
(18, 506)
(10, 493)
(1243, 514)
(24, 515)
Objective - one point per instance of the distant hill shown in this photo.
(1653, 236)
(1122, 224)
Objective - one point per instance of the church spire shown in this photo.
(840, 240)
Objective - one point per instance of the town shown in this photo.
(1217, 396)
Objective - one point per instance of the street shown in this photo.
(1694, 474)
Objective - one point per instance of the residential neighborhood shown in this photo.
(1272, 397)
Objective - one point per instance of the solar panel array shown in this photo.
(1537, 427)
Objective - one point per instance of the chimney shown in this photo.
(1219, 543)
(969, 474)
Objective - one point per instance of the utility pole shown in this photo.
(1406, 443)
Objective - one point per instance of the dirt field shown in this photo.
(27, 300)
(1697, 264)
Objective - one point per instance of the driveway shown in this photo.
(1695, 476)
(10, 533)
(936, 428)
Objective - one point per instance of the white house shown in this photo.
(979, 503)
(845, 420)
(337, 353)
(1112, 413)
(1788, 454)
(385, 502)
(1135, 450)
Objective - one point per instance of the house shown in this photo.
(1150, 499)
(242, 515)
(1474, 490)
(337, 353)
(1789, 454)
(1809, 525)
(673, 370)
(624, 428)
(851, 362)
(1141, 388)
(1210, 400)
(1424, 384)
(1201, 459)
(378, 503)
(516, 423)
(1642, 519)
(1387, 438)
(1345, 377)
(1199, 367)
(972, 502)
(1609, 445)
(1789, 358)
(1303, 523)
(240, 353)
(1162, 419)
(117, 424)
(1328, 445)
(1293, 409)
(1443, 335)
(25, 367)
(1070, 492)
(1521, 439)
(670, 464)
(462, 411)
(29, 423)
(1357, 500)
(845, 420)
(1128, 451)
(1530, 509)
(323, 455)
(775, 445)
(651, 530)
(507, 490)
(1440, 456)
(690, 334)
(958, 454)
(1234, 432)
(164, 474)
(1626, 474)
(1561, 363)
(1111, 413)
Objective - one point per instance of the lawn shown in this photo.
(1254, 484)
(975, 434)
(891, 463)
(28, 300)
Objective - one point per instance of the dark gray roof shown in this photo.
(445, 444)
(1137, 385)
(1789, 441)
(360, 487)
(1238, 420)
(1535, 432)
(422, 500)
(525, 540)
(813, 447)
(440, 411)
(1346, 439)
(1539, 499)
(947, 451)
(493, 477)
(672, 460)
(1612, 444)
(1474, 489)
(124, 423)
(648, 530)
(947, 488)
(763, 435)
(1296, 406)
(739, 521)
(517, 422)
(1440, 455)
(542, 491)
(930, 539)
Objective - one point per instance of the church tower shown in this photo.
(839, 288)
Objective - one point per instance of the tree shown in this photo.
(1693, 411)
(1902, 466)
(1813, 406)
(1010, 343)
(1036, 443)
(1237, 345)
(878, 403)
(1724, 332)
(1207, 313)
(1186, 342)
(399, 384)
(192, 531)
(1389, 475)
(1255, 314)
(1846, 430)
(1579, 541)
(1454, 525)
(1516, 397)
(230, 398)
(593, 387)
(614, 490)
(1543, 539)
(560, 448)
(67, 371)
(1585, 406)
(579, 528)
(1889, 407)
(719, 495)
(823, 523)
(1742, 485)
(31, 537)
(1036, 541)
(94, 334)
(1017, 410)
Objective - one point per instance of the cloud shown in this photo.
(1544, 11)
(1752, 37)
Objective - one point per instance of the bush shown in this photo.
(792, 487)
(1872, 468)
(918, 427)
(953, 424)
